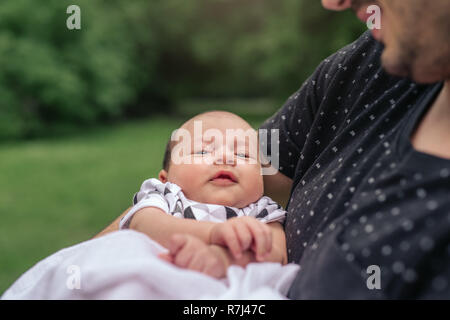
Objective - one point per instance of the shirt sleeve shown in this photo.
(148, 196)
(292, 123)
(296, 123)
(266, 210)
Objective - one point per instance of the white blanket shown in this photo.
(124, 265)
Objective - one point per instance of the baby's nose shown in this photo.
(225, 157)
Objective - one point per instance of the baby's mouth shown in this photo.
(224, 178)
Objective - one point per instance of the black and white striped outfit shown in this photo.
(170, 198)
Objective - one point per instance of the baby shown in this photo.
(215, 185)
(207, 208)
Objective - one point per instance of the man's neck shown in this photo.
(446, 95)
(432, 135)
(440, 110)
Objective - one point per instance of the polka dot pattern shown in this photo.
(358, 182)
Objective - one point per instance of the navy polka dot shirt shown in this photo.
(362, 196)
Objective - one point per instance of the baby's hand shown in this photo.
(243, 233)
(189, 252)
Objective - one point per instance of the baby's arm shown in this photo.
(161, 226)
(114, 226)
(189, 252)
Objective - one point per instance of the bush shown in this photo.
(141, 56)
(54, 75)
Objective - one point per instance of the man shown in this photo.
(365, 157)
(368, 154)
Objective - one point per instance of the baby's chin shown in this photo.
(225, 200)
(230, 202)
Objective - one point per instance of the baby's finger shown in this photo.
(244, 235)
(176, 243)
(184, 257)
(231, 240)
(259, 239)
(166, 256)
(213, 268)
(268, 236)
(197, 263)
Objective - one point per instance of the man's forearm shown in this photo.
(114, 226)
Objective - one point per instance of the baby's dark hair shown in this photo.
(167, 155)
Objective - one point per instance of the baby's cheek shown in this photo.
(260, 188)
(255, 185)
(185, 176)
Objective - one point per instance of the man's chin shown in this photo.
(417, 77)
(394, 66)
(403, 64)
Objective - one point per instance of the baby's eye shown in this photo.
(201, 152)
(242, 155)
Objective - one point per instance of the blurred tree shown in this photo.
(137, 57)
(51, 75)
(266, 47)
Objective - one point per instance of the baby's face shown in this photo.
(213, 170)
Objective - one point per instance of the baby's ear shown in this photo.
(162, 176)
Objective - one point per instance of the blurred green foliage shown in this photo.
(133, 58)
(130, 59)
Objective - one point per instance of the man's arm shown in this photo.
(114, 226)
(278, 187)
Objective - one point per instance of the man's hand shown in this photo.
(189, 252)
(241, 234)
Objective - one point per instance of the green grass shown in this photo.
(55, 193)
